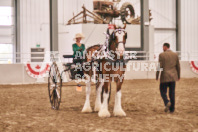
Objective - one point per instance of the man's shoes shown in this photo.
(167, 108)
(172, 110)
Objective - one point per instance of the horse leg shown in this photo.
(98, 96)
(118, 111)
(87, 107)
(104, 112)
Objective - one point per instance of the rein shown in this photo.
(103, 51)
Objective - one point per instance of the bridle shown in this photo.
(113, 37)
(105, 49)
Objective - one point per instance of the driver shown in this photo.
(78, 49)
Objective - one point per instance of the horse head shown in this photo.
(118, 40)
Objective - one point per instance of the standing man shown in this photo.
(169, 62)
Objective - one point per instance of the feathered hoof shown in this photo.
(97, 108)
(104, 113)
(87, 109)
(119, 112)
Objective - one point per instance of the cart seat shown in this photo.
(68, 56)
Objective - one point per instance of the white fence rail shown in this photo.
(10, 58)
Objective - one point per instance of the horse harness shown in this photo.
(103, 52)
(119, 30)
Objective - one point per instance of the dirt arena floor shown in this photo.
(27, 108)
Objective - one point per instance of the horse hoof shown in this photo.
(87, 110)
(104, 113)
(119, 112)
(96, 109)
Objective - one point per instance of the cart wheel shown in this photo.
(127, 13)
(54, 86)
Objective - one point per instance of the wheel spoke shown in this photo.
(51, 92)
(51, 97)
(52, 85)
(57, 93)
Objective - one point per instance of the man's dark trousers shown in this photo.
(163, 91)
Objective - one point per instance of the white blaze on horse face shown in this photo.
(118, 111)
(87, 107)
(120, 37)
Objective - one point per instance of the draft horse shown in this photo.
(111, 70)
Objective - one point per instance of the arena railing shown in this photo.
(10, 58)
